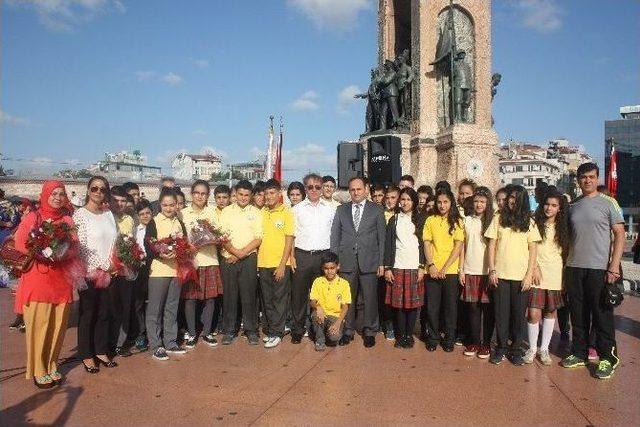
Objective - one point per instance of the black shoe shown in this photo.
(409, 342)
(369, 341)
(296, 338)
(345, 340)
(496, 358)
(91, 369)
(109, 364)
(123, 352)
(517, 359)
(400, 343)
(448, 347)
(330, 343)
(431, 346)
(16, 324)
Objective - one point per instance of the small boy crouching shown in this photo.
(330, 298)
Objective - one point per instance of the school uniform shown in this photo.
(547, 295)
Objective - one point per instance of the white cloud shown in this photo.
(346, 98)
(309, 157)
(306, 102)
(143, 76)
(66, 15)
(341, 15)
(42, 160)
(543, 16)
(172, 79)
(9, 120)
(201, 63)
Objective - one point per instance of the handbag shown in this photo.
(17, 262)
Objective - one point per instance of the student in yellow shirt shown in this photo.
(513, 245)
(545, 297)
(443, 237)
(329, 299)
(222, 196)
(273, 261)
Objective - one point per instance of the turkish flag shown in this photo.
(612, 177)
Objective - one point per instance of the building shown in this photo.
(126, 166)
(253, 171)
(196, 166)
(624, 133)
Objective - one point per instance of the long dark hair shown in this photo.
(518, 217)
(487, 216)
(563, 235)
(453, 217)
(415, 214)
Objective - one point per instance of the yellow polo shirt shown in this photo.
(512, 251)
(550, 260)
(276, 225)
(218, 214)
(330, 295)
(436, 231)
(125, 224)
(206, 255)
(165, 227)
(388, 214)
(244, 225)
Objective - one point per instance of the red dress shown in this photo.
(43, 282)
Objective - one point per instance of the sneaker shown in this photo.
(272, 342)
(517, 359)
(210, 340)
(484, 351)
(287, 330)
(123, 351)
(191, 342)
(16, 324)
(227, 339)
(160, 354)
(497, 358)
(320, 346)
(459, 341)
(592, 355)
(605, 370)
(253, 339)
(266, 338)
(176, 350)
(142, 345)
(186, 335)
(545, 358)
(306, 334)
(390, 335)
(529, 356)
(471, 350)
(572, 361)
(215, 333)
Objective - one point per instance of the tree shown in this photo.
(223, 176)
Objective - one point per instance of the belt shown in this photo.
(315, 251)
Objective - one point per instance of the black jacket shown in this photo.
(390, 240)
(152, 232)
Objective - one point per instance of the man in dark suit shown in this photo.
(357, 236)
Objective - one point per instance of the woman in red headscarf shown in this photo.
(45, 291)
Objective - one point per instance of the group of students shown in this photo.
(466, 266)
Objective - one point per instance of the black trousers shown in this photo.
(93, 322)
(240, 284)
(385, 312)
(367, 283)
(138, 328)
(308, 268)
(275, 300)
(480, 322)
(121, 294)
(563, 318)
(405, 322)
(442, 293)
(584, 289)
(510, 304)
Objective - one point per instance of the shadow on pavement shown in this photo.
(18, 414)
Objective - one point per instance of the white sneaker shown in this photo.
(272, 342)
(545, 358)
(529, 356)
(306, 333)
(266, 338)
(287, 330)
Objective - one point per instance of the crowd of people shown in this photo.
(465, 267)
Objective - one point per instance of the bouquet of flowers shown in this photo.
(204, 233)
(128, 257)
(184, 251)
(50, 241)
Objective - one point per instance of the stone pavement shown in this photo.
(295, 385)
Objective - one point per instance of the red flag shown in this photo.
(277, 174)
(612, 177)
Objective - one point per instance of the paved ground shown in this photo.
(295, 385)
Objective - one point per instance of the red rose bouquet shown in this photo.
(184, 251)
(203, 233)
(50, 241)
(128, 257)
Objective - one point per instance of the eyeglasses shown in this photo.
(102, 190)
(314, 187)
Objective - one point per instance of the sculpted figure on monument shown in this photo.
(462, 86)
(372, 115)
(390, 92)
(404, 78)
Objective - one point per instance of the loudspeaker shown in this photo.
(350, 162)
(384, 159)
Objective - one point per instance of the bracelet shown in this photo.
(430, 264)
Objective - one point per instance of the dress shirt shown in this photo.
(141, 230)
(313, 225)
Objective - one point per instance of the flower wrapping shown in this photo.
(75, 272)
(100, 278)
(203, 233)
(127, 257)
(50, 241)
(184, 251)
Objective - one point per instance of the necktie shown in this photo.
(356, 217)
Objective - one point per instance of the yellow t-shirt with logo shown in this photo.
(276, 225)
(436, 231)
(330, 295)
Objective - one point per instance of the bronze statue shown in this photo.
(390, 94)
(404, 78)
(462, 86)
(495, 81)
(372, 115)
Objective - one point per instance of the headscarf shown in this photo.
(45, 210)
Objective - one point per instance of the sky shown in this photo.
(83, 77)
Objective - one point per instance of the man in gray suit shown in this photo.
(357, 236)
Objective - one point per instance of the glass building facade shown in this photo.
(625, 134)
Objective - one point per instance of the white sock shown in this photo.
(547, 332)
(534, 329)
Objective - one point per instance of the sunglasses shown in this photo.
(314, 187)
(102, 190)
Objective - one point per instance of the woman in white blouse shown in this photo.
(97, 233)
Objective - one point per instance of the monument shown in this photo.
(433, 87)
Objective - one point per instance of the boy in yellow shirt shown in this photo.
(329, 299)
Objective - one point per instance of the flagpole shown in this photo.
(268, 169)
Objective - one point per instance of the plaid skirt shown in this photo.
(476, 289)
(545, 299)
(405, 291)
(209, 284)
